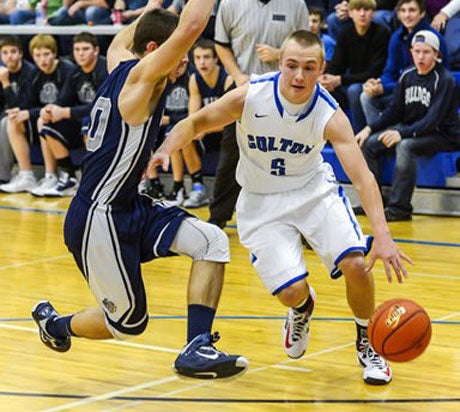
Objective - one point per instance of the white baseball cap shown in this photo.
(427, 37)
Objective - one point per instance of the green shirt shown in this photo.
(52, 6)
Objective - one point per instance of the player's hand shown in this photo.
(390, 137)
(393, 259)
(267, 53)
(45, 113)
(363, 135)
(157, 159)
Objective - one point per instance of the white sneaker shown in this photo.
(20, 183)
(296, 330)
(48, 182)
(197, 197)
(66, 186)
(176, 197)
(376, 369)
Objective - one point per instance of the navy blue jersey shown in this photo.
(19, 81)
(176, 106)
(210, 94)
(423, 104)
(117, 153)
(80, 88)
(44, 88)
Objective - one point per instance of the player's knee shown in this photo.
(293, 294)
(353, 267)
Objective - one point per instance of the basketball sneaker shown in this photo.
(47, 183)
(199, 359)
(176, 197)
(197, 197)
(22, 182)
(296, 330)
(42, 312)
(66, 186)
(376, 369)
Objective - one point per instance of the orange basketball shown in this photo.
(399, 330)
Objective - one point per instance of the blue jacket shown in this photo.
(399, 57)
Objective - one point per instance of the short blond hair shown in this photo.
(362, 4)
(43, 41)
(306, 39)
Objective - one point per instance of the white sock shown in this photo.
(26, 173)
(362, 322)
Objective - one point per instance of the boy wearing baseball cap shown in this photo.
(421, 120)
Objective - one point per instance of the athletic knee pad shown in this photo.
(201, 241)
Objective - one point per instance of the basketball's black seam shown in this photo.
(415, 344)
(375, 322)
(402, 324)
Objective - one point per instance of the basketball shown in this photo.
(399, 330)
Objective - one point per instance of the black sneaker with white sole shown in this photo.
(199, 359)
(42, 312)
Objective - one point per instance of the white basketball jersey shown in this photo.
(278, 151)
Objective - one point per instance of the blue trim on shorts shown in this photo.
(253, 258)
(289, 283)
(353, 220)
(336, 272)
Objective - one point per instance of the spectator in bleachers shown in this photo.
(316, 23)
(130, 9)
(22, 123)
(447, 21)
(206, 85)
(360, 53)
(176, 7)
(83, 11)
(6, 7)
(64, 123)
(24, 12)
(421, 120)
(15, 76)
(377, 92)
(340, 18)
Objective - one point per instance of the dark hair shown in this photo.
(317, 11)
(421, 4)
(85, 37)
(204, 43)
(10, 40)
(156, 25)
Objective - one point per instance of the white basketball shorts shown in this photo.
(270, 225)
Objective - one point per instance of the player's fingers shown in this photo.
(387, 267)
(166, 163)
(397, 269)
(371, 264)
(406, 258)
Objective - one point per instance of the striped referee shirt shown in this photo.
(241, 24)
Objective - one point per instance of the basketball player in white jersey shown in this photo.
(111, 229)
(284, 120)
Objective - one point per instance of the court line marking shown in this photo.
(34, 262)
(230, 226)
(158, 382)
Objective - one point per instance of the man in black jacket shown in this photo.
(360, 53)
(421, 120)
(15, 73)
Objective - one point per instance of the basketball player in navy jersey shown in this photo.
(288, 191)
(111, 229)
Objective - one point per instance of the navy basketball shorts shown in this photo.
(67, 131)
(109, 246)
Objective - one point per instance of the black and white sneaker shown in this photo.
(376, 369)
(42, 312)
(199, 359)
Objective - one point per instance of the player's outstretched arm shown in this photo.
(339, 132)
(137, 96)
(216, 115)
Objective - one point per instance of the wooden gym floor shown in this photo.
(136, 375)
